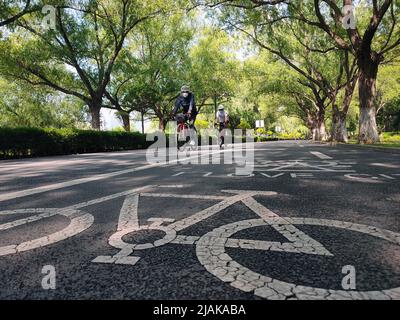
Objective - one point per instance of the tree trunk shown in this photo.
(339, 116)
(162, 124)
(319, 132)
(142, 120)
(368, 131)
(319, 129)
(126, 121)
(339, 130)
(95, 116)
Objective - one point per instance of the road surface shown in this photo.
(308, 221)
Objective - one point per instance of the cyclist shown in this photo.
(187, 103)
(222, 119)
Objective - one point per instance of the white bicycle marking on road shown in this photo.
(126, 249)
(211, 253)
(210, 248)
(320, 155)
(79, 221)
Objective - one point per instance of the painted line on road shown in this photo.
(62, 185)
(387, 177)
(129, 217)
(274, 176)
(178, 174)
(320, 155)
(301, 175)
(182, 196)
(110, 197)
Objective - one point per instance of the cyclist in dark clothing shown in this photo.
(187, 103)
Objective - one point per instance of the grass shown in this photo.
(388, 140)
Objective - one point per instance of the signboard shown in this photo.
(259, 123)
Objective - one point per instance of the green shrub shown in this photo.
(390, 137)
(34, 142)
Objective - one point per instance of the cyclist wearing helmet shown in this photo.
(187, 103)
(222, 119)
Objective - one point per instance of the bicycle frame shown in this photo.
(182, 129)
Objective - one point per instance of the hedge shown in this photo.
(35, 142)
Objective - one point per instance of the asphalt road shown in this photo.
(310, 219)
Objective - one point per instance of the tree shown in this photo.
(387, 101)
(22, 106)
(275, 86)
(380, 36)
(150, 73)
(306, 51)
(79, 56)
(11, 12)
(213, 68)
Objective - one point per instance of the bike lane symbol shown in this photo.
(211, 252)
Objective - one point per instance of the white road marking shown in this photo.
(208, 212)
(284, 227)
(62, 185)
(274, 176)
(128, 217)
(178, 174)
(79, 221)
(207, 174)
(301, 175)
(210, 250)
(180, 239)
(300, 166)
(363, 178)
(129, 222)
(320, 155)
(387, 177)
(110, 197)
(172, 186)
(240, 176)
(183, 196)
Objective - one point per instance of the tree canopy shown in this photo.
(329, 67)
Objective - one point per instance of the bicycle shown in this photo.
(221, 135)
(183, 132)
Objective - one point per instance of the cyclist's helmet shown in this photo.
(185, 89)
(221, 107)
